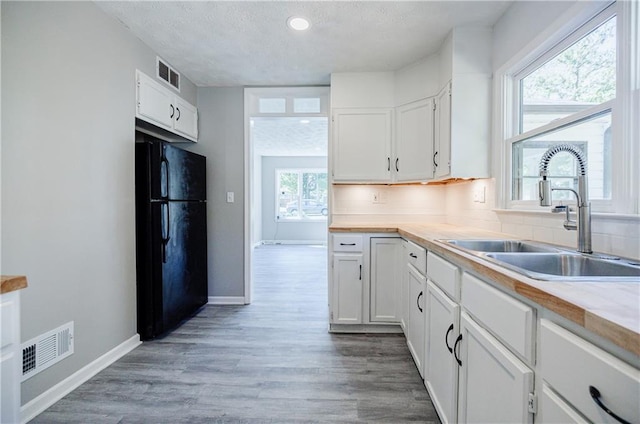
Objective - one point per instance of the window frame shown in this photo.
(572, 26)
(300, 218)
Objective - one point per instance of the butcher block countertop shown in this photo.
(9, 283)
(611, 310)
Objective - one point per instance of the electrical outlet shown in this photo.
(479, 194)
(376, 197)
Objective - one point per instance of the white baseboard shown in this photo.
(311, 242)
(226, 300)
(39, 404)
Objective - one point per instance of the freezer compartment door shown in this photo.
(177, 174)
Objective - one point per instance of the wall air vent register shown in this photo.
(167, 74)
(46, 349)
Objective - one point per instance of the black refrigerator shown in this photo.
(171, 235)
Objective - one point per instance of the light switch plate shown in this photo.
(230, 197)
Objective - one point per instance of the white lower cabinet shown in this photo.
(440, 366)
(386, 277)
(416, 304)
(589, 382)
(471, 374)
(494, 384)
(10, 357)
(346, 299)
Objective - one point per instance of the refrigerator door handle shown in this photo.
(164, 166)
(165, 231)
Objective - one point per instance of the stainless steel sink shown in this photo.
(568, 267)
(502, 246)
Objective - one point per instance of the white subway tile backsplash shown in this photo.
(453, 204)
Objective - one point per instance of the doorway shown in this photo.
(286, 181)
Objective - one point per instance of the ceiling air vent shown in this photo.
(167, 74)
(47, 349)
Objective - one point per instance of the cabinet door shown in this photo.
(386, 278)
(154, 102)
(362, 145)
(442, 143)
(494, 384)
(186, 118)
(415, 341)
(414, 141)
(346, 302)
(440, 367)
(10, 357)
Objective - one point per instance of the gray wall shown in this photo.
(287, 230)
(68, 103)
(221, 140)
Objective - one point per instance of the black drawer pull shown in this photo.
(446, 338)
(347, 244)
(595, 395)
(413, 256)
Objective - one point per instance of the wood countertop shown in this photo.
(9, 283)
(610, 310)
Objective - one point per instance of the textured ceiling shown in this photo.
(290, 136)
(228, 43)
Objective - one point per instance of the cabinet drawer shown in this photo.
(444, 274)
(417, 256)
(570, 364)
(506, 317)
(347, 243)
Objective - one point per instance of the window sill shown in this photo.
(594, 215)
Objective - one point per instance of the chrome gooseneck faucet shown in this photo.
(583, 224)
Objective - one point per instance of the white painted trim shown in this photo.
(39, 404)
(313, 242)
(248, 227)
(227, 300)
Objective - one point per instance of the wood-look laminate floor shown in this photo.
(269, 362)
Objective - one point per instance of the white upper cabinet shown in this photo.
(158, 105)
(362, 145)
(463, 106)
(413, 156)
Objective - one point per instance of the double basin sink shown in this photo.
(546, 262)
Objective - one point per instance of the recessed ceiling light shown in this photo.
(298, 23)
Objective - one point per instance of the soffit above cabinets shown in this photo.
(231, 43)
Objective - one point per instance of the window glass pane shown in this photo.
(302, 195)
(272, 105)
(593, 136)
(306, 105)
(581, 76)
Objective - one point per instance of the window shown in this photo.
(573, 92)
(301, 194)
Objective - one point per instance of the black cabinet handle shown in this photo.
(455, 351)
(413, 256)
(397, 169)
(435, 155)
(173, 111)
(178, 117)
(360, 278)
(388, 164)
(418, 301)
(595, 395)
(347, 244)
(446, 339)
